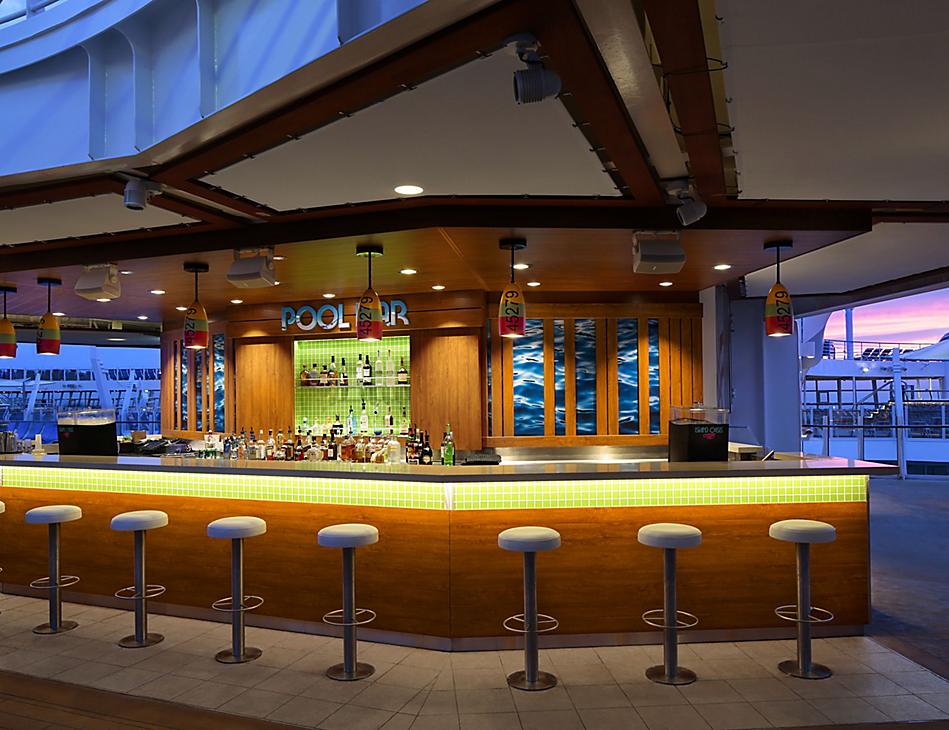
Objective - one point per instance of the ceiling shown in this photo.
(890, 251)
(79, 217)
(458, 134)
(563, 260)
(843, 100)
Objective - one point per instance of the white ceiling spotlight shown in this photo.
(409, 189)
(536, 82)
(99, 282)
(682, 192)
(138, 191)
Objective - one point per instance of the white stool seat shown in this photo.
(52, 514)
(529, 539)
(3, 508)
(237, 528)
(804, 531)
(143, 519)
(669, 535)
(349, 535)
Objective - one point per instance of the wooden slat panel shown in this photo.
(665, 388)
(685, 339)
(675, 362)
(570, 377)
(264, 387)
(612, 378)
(497, 382)
(580, 310)
(643, 331)
(484, 356)
(602, 406)
(550, 396)
(697, 360)
(594, 440)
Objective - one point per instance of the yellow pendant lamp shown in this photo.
(48, 337)
(778, 311)
(196, 318)
(7, 334)
(369, 309)
(512, 310)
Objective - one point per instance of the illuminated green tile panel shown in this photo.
(659, 492)
(316, 490)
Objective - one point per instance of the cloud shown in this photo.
(918, 318)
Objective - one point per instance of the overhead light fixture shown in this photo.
(138, 191)
(533, 283)
(126, 272)
(722, 267)
(103, 300)
(329, 295)
(535, 82)
(778, 311)
(512, 311)
(369, 308)
(407, 271)
(142, 317)
(279, 258)
(522, 267)
(438, 287)
(657, 253)
(681, 191)
(276, 283)
(237, 301)
(59, 314)
(48, 337)
(99, 282)
(409, 189)
(665, 283)
(182, 309)
(196, 318)
(252, 272)
(159, 292)
(7, 333)
(116, 339)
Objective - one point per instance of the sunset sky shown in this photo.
(919, 318)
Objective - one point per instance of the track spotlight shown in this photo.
(536, 82)
(138, 191)
(691, 210)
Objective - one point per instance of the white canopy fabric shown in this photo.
(938, 351)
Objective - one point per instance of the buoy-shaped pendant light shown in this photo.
(512, 310)
(7, 333)
(369, 309)
(196, 318)
(778, 312)
(48, 337)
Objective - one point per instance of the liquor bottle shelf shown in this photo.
(352, 387)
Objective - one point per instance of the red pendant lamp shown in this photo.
(512, 310)
(48, 337)
(7, 334)
(369, 309)
(778, 312)
(196, 318)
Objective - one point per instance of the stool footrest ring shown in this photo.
(128, 593)
(816, 615)
(657, 619)
(248, 603)
(360, 616)
(518, 624)
(45, 583)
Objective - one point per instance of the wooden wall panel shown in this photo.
(497, 382)
(446, 385)
(264, 383)
(685, 348)
(697, 360)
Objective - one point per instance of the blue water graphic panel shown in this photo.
(528, 375)
(586, 376)
(198, 384)
(654, 424)
(560, 392)
(218, 392)
(489, 332)
(184, 386)
(627, 349)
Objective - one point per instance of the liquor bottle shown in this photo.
(331, 448)
(411, 447)
(242, 445)
(304, 377)
(351, 421)
(390, 370)
(394, 453)
(279, 443)
(379, 370)
(314, 375)
(426, 457)
(364, 420)
(358, 372)
(304, 428)
(332, 375)
(404, 423)
(271, 445)
(324, 375)
(448, 447)
(367, 372)
(261, 446)
(328, 426)
(337, 429)
(402, 377)
(289, 448)
(298, 449)
(389, 421)
(343, 375)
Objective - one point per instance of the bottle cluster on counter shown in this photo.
(362, 375)
(337, 441)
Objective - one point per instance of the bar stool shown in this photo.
(530, 541)
(803, 533)
(139, 522)
(670, 536)
(348, 537)
(54, 515)
(237, 529)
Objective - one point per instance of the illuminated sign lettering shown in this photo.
(331, 317)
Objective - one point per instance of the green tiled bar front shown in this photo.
(450, 495)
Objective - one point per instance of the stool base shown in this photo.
(658, 675)
(792, 669)
(339, 673)
(545, 680)
(130, 642)
(227, 656)
(64, 626)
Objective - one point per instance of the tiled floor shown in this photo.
(600, 689)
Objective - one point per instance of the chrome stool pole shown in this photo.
(138, 523)
(53, 516)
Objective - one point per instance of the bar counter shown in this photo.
(436, 577)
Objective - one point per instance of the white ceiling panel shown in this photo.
(843, 100)
(458, 134)
(890, 251)
(79, 217)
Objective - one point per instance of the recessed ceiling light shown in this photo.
(143, 317)
(59, 314)
(126, 272)
(279, 258)
(237, 301)
(408, 272)
(409, 189)
(522, 267)
(116, 339)
(438, 287)
(103, 299)
(276, 283)
(722, 267)
(665, 283)
(533, 283)
(182, 309)
(329, 295)
(157, 291)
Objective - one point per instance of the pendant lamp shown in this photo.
(369, 309)
(7, 334)
(512, 311)
(196, 318)
(48, 337)
(778, 313)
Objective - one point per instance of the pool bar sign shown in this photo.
(330, 316)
